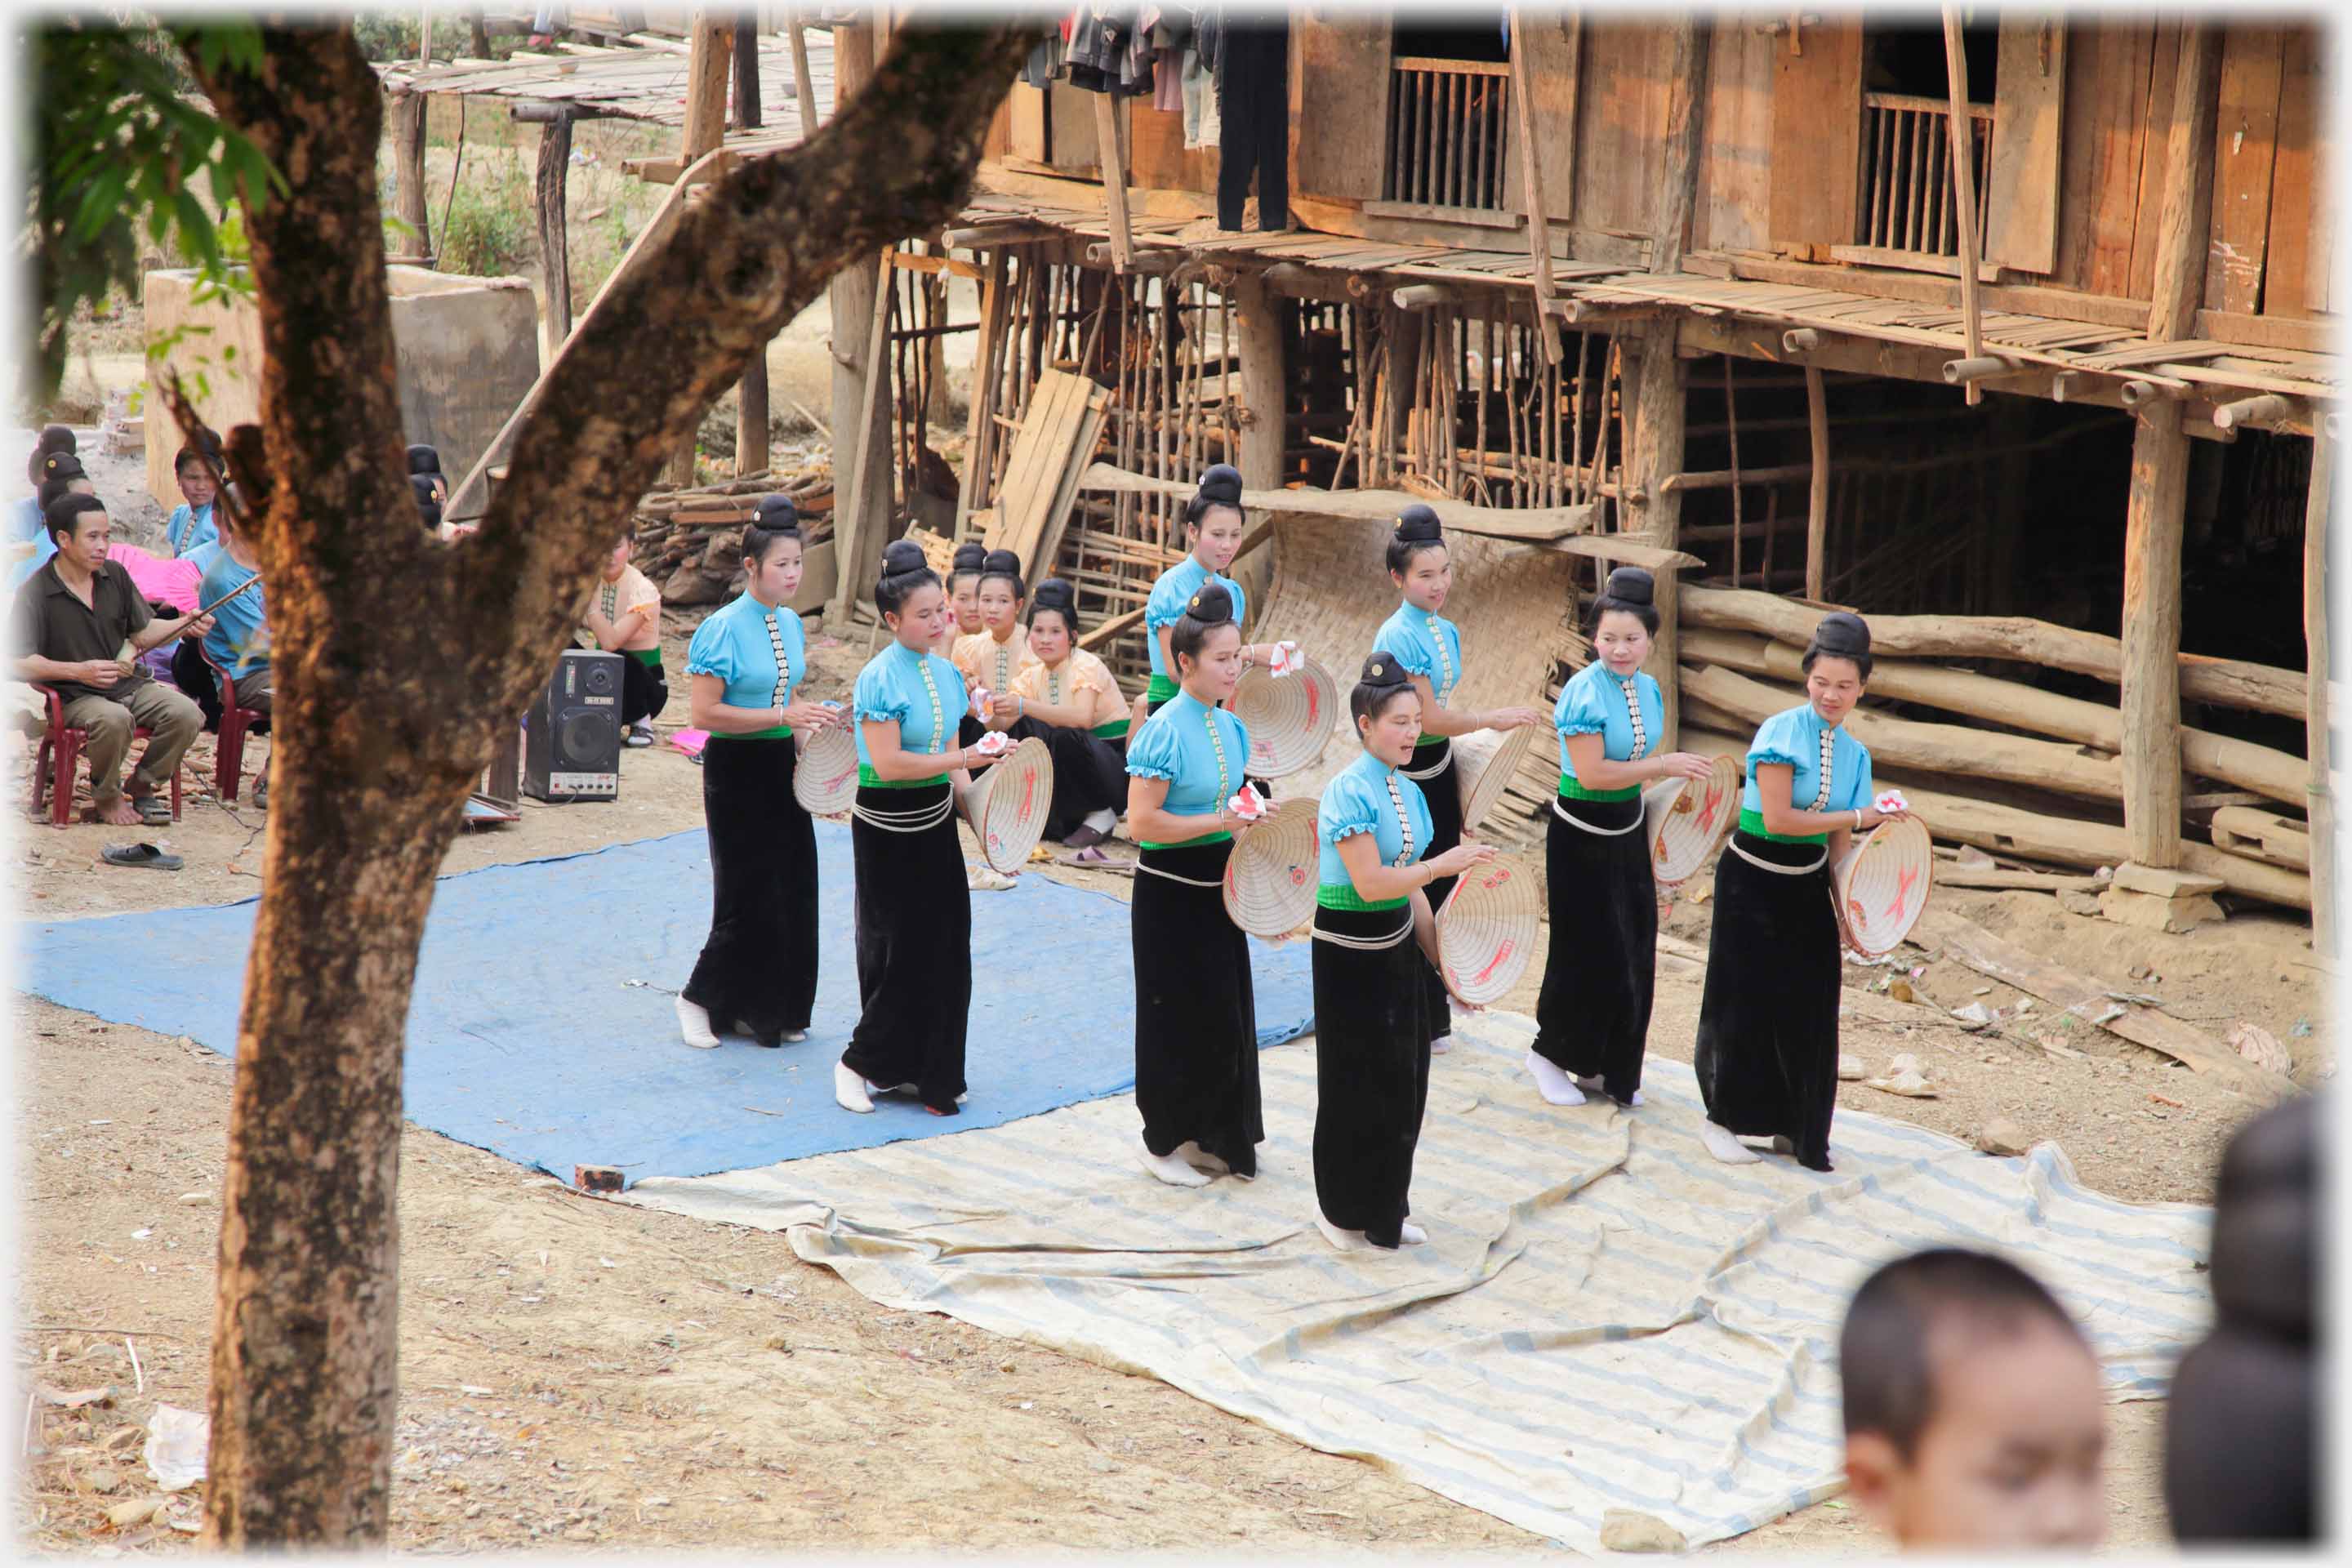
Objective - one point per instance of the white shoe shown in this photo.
(694, 1026)
(1555, 1086)
(1440, 1046)
(1725, 1147)
(796, 1036)
(1345, 1240)
(849, 1089)
(960, 1098)
(1169, 1168)
(1192, 1154)
(1410, 1234)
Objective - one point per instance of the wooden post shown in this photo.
(804, 89)
(1817, 510)
(408, 113)
(860, 518)
(751, 391)
(2159, 473)
(478, 33)
(2320, 804)
(857, 448)
(1257, 324)
(1403, 335)
(1531, 179)
(712, 40)
(1662, 382)
(554, 232)
(1110, 119)
(1964, 185)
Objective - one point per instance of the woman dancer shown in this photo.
(1212, 533)
(1592, 1016)
(914, 914)
(758, 969)
(1768, 1021)
(1375, 946)
(963, 587)
(1429, 648)
(1069, 699)
(1195, 1018)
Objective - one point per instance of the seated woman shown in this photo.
(963, 588)
(989, 659)
(1069, 699)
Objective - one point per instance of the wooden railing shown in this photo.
(1907, 200)
(1447, 124)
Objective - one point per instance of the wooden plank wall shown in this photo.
(2294, 281)
(1735, 165)
(2119, 94)
(2253, 62)
(1339, 97)
(1620, 113)
(1817, 127)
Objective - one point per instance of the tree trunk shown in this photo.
(398, 655)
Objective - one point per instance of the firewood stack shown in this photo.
(687, 539)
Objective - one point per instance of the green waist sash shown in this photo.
(778, 734)
(1188, 843)
(1752, 824)
(1345, 896)
(1115, 730)
(1571, 790)
(648, 657)
(867, 778)
(1159, 689)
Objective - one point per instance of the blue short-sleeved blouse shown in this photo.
(1171, 593)
(1199, 750)
(922, 693)
(190, 527)
(761, 653)
(1427, 645)
(1368, 796)
(1628, 715)
(1832, 769)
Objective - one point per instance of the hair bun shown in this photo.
(1222, 484)
(1211, 604)
(1418, 524)
(62, 465)
(1002, 563)
(57, 438)
(774, 513)
(424, 459)
(1842, 634)
(901, 556)
(1054, 594)
(970, 557)
(1630, 584)
(1382, 670)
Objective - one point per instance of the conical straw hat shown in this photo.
(1270, 877)
(1485, 763)
(1289, 719)
(825, 775)
(1688, 821)
(1882, 885)
(1487, 930)
(1015, 794)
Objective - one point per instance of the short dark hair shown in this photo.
(206, 449)
(1884, 1355)
(62, 513)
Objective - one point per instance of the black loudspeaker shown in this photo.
(571, 736)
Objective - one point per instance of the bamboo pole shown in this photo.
(1963, 138)
(2320, 800)
(1817, 505)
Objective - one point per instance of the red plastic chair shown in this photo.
(236, 723)
(64, 743)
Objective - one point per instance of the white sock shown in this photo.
(1724, 1146)
(1555, 1086)
(1169, 1168)
(1345, 1240)
(849, 1089)
(1102, 821)
(960, 1098)
(1783, 1144)
(1192, 1154)
(794, 1037)
(1440, 1046)
(694, 1026)
(1410, 1234)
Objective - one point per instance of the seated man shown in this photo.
(74, 618)
(238, 641)
(624, 616)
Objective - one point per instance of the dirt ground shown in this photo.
(578, 1372)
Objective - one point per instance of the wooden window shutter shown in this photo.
(1816, 135)
(2028, 105)
(1340, 81)
(1026, 107)
(1070, 129)
(1551, 46)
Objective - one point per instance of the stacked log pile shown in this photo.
(687, 539)
(2053, 792)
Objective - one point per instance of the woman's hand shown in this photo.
(1685, 765)
(809, 717)
(1508, 719)
(1458, 860)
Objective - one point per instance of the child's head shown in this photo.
(1973, 1413)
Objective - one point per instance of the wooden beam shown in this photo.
(555, 234)
(804, 89)
(1111, 121)
(1257, 324)
(745, 50)
(2318, 737)
(711, 37)
(2156, 502)
(408, 108)
(1817, 502)
(859, 526)
(857, 448)
(1545, 525)
(1963, 144)
(1531, 179)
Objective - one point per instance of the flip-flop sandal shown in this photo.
(153, 810)
(1090, 855)
(140, 854)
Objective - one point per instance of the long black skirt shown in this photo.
(758, 968)
(1089, 774)
(1600, 970)
(1443, 790)
(914, 946)
(1768, 1021)
(1195, 1016)
(1371, 1069)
